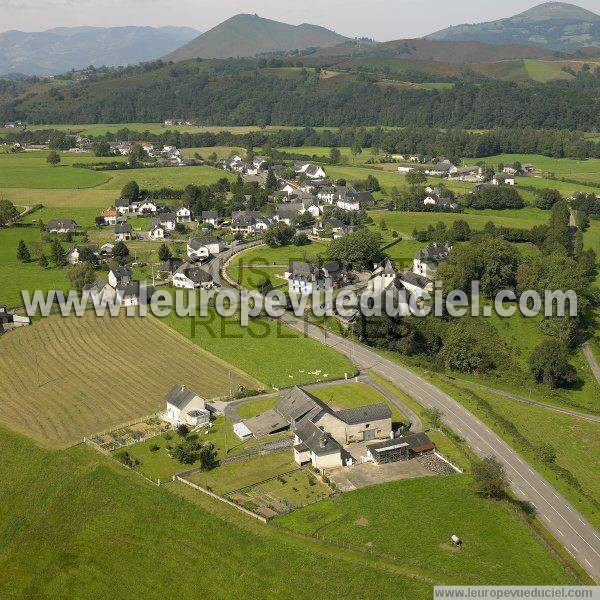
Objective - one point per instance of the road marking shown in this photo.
(560, 532)
(588, 562)
(574, 548)
(568, 508)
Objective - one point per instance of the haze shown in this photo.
(379, 19)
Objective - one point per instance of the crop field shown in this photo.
(79, 522)
(60, 198)
(498, 548)
(79, 376)
(405, 222)
(353, 395)
(267, 350)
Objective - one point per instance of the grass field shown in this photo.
(575, 441)
(77, 525)
(540, 70)
(16, 276)
(497, 546)
(354, 395)
(405, 222)
(79, 376)
(250, 409)
(267, 350)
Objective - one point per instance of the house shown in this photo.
(61, 226)
(469, 174)
(235, 164)
(199, 248)
(287, 213)
(403, 169)
(9, 320)
(106, 251)
(440, 169)
(500, 180)
(167, 269)
(123, 232)
(311, 171)
(428, 259)
(146, 207)
(382, 277)
(288, 189)
(400, 448)
(416, 284)
(351, 200)
(14, 125)
(440, 201)
(186, 407)
(249, 221)
(74, 253)
(156, 231)
(304, 278)
(119, 275)
(258, 165)
(126, 206)
(128, 294)
(210, 217)
(191, 277)
(326, 193)
(167, 220)
(183, 214)
(110, 217)
(93, 292)
(315, 446)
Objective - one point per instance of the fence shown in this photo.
(457, 469)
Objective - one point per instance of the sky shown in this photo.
(379, 19)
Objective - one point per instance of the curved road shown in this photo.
(567, 525)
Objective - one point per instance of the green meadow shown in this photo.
(498, 548)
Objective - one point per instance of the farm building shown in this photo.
(186, 407)
(400, 448)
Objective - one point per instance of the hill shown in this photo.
(554, 25)
(250, 35)
(452, 51)
(61, 49)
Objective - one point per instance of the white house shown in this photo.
(110, 217)
(184, 214)
(192, 277)
(147, 206)
(318, 447)
(75, 252)
(123, 232)
(382, 277)
(326, 194)
(210, 217)
(311, 171)
(405, 169)
(93, 292)
(186, 407)
(416, 284)
(61, 226)
(156, 232)
(288, 189)
(167, 220)
(351, 200)
(200, 248)
(119, 275)
(304, 278)
(428, 259)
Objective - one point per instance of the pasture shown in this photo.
(65, 378)
(77, 521)
(498, 548)
(267, 350)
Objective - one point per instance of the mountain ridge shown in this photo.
(553, 25)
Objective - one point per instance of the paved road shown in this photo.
(589, 355)
(567, 525)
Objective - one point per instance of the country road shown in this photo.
(567, 525)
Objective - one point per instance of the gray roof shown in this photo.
(180, 396)
(414, 441)
(266, 423)
(61, 224)
(316, 440)
(171, 265)
(434, 252)
(364, 414)
(210, 214)
(196, 274)
(95, 287)
(415, 279)
(295, 403)
(123, 228)
(198, 242)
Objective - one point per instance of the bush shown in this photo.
(154, 448)
(549, 363)
(183, 430)
(488, 478)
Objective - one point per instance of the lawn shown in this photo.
(354, 395)
(16, 276)
(75, 524)
(157, 464)
(252, 408)
(222, 152)
(403, 253)
(236, 475)
(267, 350)
(414, 519)
(80, 376)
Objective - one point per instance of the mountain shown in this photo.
(554, 25)
(249, 35)
(64, 48)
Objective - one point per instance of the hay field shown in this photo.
(95, 373)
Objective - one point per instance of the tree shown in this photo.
(335, 155)
(53, 158)
(302, 239)
(23, 252)
(265, 286)
(188, 451)
(164, 254)
(120, 251)
(43, 261)
(87, 256)
(489, 479)
(416, 177)
(434, 416)
(101, 148)
(279, 234)
(271, 184)
(208, 457)
(360, 249)
(81, 275)
(8, 212)
(372, 184)
(547, 198)
(131, 190)
(137, 154)
(57, 253)
(549, 363)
